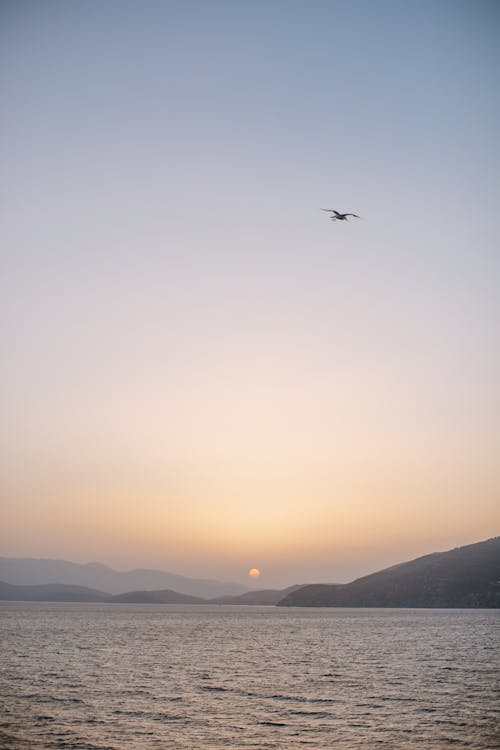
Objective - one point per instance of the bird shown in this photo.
(336, 216)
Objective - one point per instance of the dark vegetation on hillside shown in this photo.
(463, 577)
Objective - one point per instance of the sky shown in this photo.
(199, 370)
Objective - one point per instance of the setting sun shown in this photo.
(254, 572)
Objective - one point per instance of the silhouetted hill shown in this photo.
(463, 577)
(61, 592)
(265, 596)
(26, 571)
(51, 592)
(165, 596)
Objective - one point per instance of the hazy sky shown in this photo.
(200, 371)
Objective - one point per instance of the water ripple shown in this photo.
(131, 677)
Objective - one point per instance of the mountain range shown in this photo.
(467, 576)
(63, 592)
(59, 592)
(27, 571)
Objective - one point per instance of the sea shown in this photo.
(137, 677)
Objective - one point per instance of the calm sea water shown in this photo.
(131, 677)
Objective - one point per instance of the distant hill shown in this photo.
(166, 596)
(52, 592)
(463, 577)
(26, 571)
(61, 592)
(265, 596)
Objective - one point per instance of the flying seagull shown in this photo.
(336, 216)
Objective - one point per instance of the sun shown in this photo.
(254, 572)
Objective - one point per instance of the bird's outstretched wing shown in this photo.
(356, 215)
(330, 210)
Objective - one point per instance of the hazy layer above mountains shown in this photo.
(25, 571)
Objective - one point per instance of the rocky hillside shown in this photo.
(463, 577)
